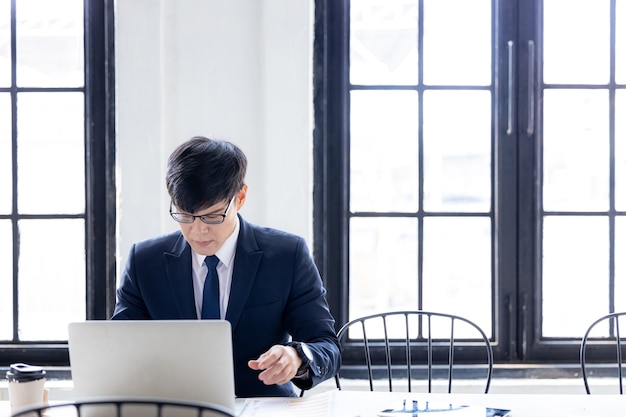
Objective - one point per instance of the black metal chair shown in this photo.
(605, 341)
(418, 346)
(126, 407)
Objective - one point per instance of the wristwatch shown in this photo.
(305, 354)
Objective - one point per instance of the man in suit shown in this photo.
(264, 280)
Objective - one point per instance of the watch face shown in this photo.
(307, 351)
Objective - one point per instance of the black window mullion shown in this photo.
(100, 155)
(612, 132)
(504, 187)
(14, 225)
(331, 182)
(420, 154)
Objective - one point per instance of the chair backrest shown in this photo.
(603, 335)
(127, 407)
(416, 346)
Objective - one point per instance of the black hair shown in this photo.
(202, 172)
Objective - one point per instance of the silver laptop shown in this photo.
(177, 359)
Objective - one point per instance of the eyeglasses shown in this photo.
(205, 218)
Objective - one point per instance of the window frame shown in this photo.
(100, 194)
(516, 282)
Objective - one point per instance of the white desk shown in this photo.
(368, 404)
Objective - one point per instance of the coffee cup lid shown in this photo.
(22, 372)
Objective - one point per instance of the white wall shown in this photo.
(239, 70)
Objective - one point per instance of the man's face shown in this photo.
(206, 239)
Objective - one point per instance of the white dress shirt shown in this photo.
(226, 255)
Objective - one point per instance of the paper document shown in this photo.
(312, 406)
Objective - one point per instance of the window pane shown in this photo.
(6, 280)
(457, 151)
(620, 42)
(457, 267)
(49, 43)
(5, 45)
(620, 150)
(6, 172)
(383, 42)
(383, 151)
(50, 153)
(457, 35)
(620, 263)
(383, 265)
(52, 277)
(573, 55)
(575, 273)
(576, 155)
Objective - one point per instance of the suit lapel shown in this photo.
(179, 275)
(247, 259)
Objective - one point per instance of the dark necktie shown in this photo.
(211, 292)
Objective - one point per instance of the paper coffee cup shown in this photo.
(26, 386)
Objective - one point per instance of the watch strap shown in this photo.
(306, 361)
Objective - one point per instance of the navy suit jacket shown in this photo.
(276, 292)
